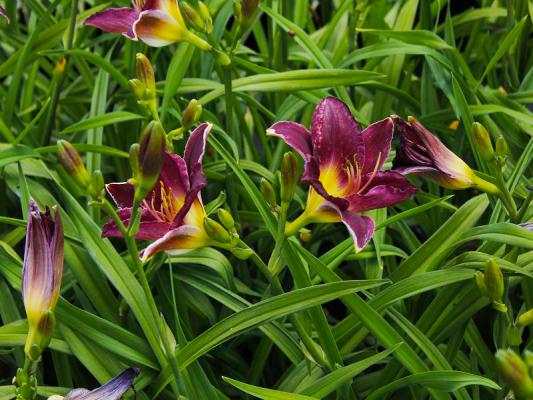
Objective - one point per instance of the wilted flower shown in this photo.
(172, 213)
(421, 152)
(156, 22)
(112, 390)
(343, 166)
(41, 276)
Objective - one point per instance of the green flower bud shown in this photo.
(97, 184)
(480, 282)
(39, 336)
(525, 318)
(305, 235)
(502, 149)
(226, 219)
(196, 15)
(245, 11)
(145, 74)
(482, 141)
(494, 280)
(137, 87)
(216, 231)
(514, 338)
(515, 373)
(135, 149)
(71, 160)
(191, 114)
(242, 254)
(150, 158)
(289, 177)
(268, 193)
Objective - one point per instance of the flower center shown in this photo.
(168, 208)
(354, 175)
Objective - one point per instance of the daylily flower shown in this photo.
(421, 152)
(172, 213)
(112, 390)
(41, 276)
(156, 22)
(343, 166)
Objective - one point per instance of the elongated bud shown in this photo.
(525, 318)
(502, 150)
(150, 158)
(196, 15)
(216, 231)
(137, 87)
(515, 373)
(289, 177)
(245, 11)
(191, 114)
(480, 282)
(482, 141)
(97, 184)
(242, 254)
(145, 74)
(226, 219)
(60, 67)
(135, 150)
(494, 280)
(71, 160)
(268, 193)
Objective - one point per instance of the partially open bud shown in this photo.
(191, 114)
(482, 141)
(268, 193)
(289, 177)
(150, 158)
(515, 373)
(525, 318)
(196, 15)
(216, 231)
(71, 160)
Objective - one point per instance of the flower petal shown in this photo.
(57, 248)
(150, 228)
(360, 227)
(3, 13)
(295, 135)
(183, 238)
(157, 28)
(114, 389)
(117, 20)
(377, 139)
(386, 189)
(173, 175)
(122, 193)
(336, 135)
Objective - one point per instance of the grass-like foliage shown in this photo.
(275, 199)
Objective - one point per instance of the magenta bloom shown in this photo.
(112, 390)
(172, 213)
(156, 22)
(343, 167)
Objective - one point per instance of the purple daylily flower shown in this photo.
(112, 390)
(421, 152)
(42, 272)
(343, 167)
(172, 214)
(156, 22)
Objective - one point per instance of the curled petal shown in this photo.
(112, 390)
(173, 175)
(336, 135)
(116, 20)
(150, 228)
(179, 240)
(295, 135)
(386, 189)
(122, 193)
(377, 139)
(360, 227)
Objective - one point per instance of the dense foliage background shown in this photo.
(446, 63)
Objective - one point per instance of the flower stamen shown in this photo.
(372, 176)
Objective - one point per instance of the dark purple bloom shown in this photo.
(172, 213)
(343, 166)
(112, 390)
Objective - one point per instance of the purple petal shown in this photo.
(173, 175)
(181, 239)
(57, 248)
(386, 189)
(377, 139)
(295, 135)
(336, 135)
(116, 20)
(150, 228)
(122, 193)
(112, 390)
(360, 227)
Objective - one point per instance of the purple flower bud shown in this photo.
(112, 390)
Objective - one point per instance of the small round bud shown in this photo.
(191, 114)
(482, 141)
(289, 177)
(242, 254)
(216, 231)
(305, 235)
(72, 162)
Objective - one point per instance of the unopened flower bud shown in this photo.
(289, 176)
(137, 87)
(502, 148)
(268, 193)
(482, 141)
(305, 235)
(71, 160)
(135, 150)
(480, 282)
(150, 158)
(525, 318)
(242, 254)
(245, 11)
(515, 373)
(216, 231)
(191, 114)
(60, 67)
(226, 219)
(97, 184)
(494, 280)
(145, 74)
(196, 15)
